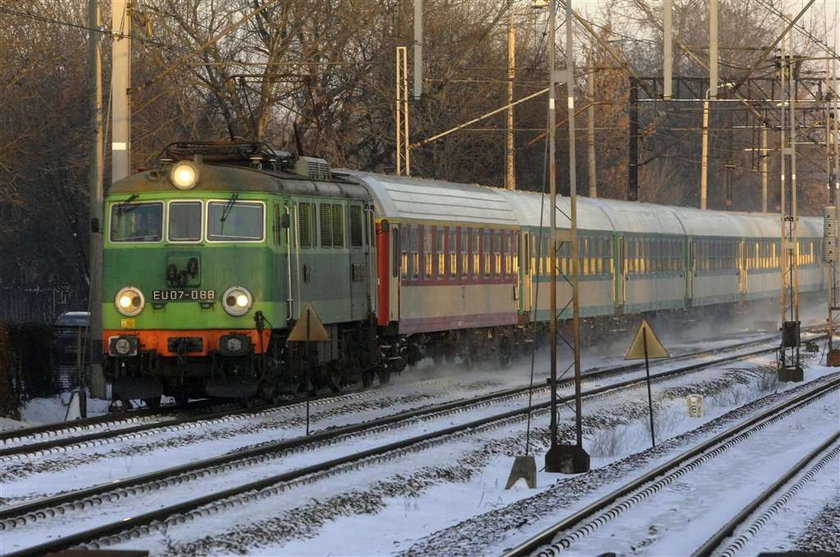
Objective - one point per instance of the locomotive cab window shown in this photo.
(235, 221)
(136, 222)
(184, 221)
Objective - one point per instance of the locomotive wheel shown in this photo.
(384, 376)
(153, 403)
(367, 379)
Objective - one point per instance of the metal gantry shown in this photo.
(401, 114)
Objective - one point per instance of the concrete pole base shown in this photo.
(566, 459)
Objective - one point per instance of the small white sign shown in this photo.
(695, 406)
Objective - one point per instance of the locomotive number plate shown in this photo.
(183, 295)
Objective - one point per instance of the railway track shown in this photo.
(50, 438)
(733, 535)
(623, 501)
(37, 511)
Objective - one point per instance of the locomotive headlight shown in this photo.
(129, 301)
(184, 175)
(237, 300)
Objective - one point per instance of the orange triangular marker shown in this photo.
(645, 335)
(309, 327)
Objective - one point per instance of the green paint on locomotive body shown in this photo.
(260, 266)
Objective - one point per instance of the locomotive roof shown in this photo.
(231, 178)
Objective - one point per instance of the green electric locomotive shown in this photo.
(204, 278)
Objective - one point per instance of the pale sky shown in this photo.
(825, 13)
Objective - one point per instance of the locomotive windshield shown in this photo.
(138, 222)
(235, 221)
(185, 221)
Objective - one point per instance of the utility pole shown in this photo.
(97, 378)
(764, 166)
(121, 89)
(667, 49)
(590, 143)
(831, 230)
(510, 146)
(704, 153)
(566, 459)
(633, 132)
(418, 49)
(789, 368)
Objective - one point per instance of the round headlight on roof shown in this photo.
(129, 301)
(184, 175)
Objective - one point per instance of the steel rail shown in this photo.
(105, 419)
(9, 512)
(727, 530)
(116, 433)
(546, 536)
(37, 508)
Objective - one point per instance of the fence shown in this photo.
(35, 305)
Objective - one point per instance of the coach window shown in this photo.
(427, 252)
(531, 254)
(441, 251)
(497, 252)
(476, 252)
(465, 251)
(185, 221)
(510, 254)
(414, 247)
(453, 251)
(136, 222)
(599, 255)
(235, 221)
(485, 251)
(514, 238)
(356, 238)
(404, 243)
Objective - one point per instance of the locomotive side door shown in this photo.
(358, 242)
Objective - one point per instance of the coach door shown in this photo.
(621, 272)
(690, 271)
(742, 268)
(526, 302)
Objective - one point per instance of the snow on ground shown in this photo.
(407, 505)
(419, 504)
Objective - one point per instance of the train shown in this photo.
(237, 270)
